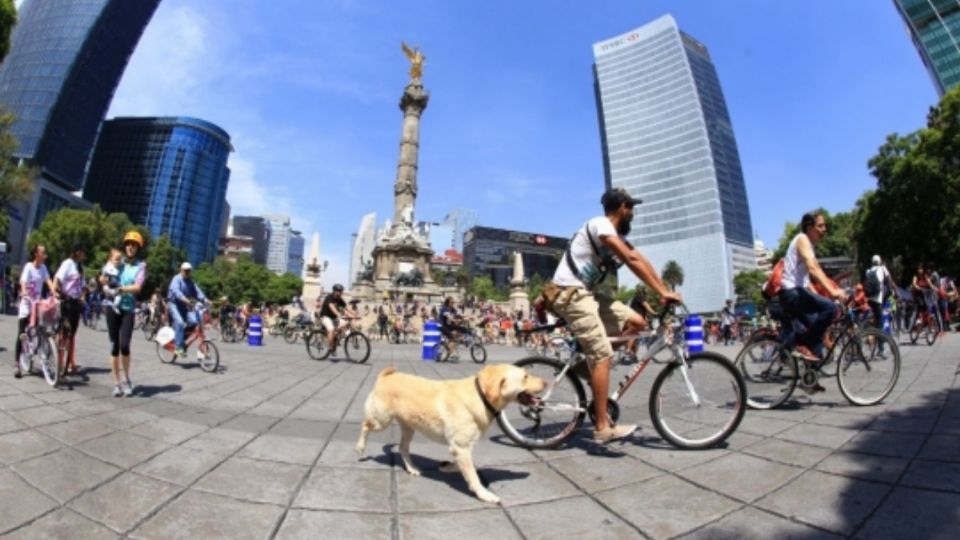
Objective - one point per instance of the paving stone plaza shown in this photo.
(265, 449)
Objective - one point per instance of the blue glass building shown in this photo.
(169, 174)
(667, 138)
(935, 28)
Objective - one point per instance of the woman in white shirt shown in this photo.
(32, 279)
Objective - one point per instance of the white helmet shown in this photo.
(877, 261)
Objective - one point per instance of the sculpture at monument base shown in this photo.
(519, 299)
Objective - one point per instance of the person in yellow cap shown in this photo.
(133, 273)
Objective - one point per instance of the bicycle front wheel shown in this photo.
(316, 342)
(290, 335)
(208, 356)
(26, 358)
(869, 367)
(357, 347)
(48, 360)
(552, 420)
(165, 355)
(930, 334)
(769, 373)
(699, 403)
(478, 353)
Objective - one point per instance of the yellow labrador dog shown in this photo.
(455, 412)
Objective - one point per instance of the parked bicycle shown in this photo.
(207, 354)
(866, 362)
(697, 401)
(39, 342)
(356, 346)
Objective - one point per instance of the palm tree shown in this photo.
(672, 274)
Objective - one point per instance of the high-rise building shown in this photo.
(278, 245)
(66, 59)
(295, 253)
(666, 137)
(935, 28)
(489, 252)
(168, 173)
(363, 243)
(256, 228)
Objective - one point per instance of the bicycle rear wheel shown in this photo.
(26, 358)
(357, 347)
(555, 418)
(291, 334)
(769, 373)
(698, 404)
(166, 355)
(316, 342)
(478, 353)
(930, 333)
(869, 367)
(48, 359)
(208, 356)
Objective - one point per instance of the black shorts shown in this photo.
(70, 315)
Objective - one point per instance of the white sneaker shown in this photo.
(117, 391)
(127, 388)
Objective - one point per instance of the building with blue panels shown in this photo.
(167, 173)
(935, 28)
(66, 59)
(667, 138)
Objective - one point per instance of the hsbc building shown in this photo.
(489, 252)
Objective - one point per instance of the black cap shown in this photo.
(615, 197)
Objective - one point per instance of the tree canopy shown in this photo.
(840, 240)
(245, 281)
(672, 274)
(16, 181)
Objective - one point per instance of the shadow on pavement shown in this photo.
(430, 468)
(149, 391)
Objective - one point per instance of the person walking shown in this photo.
(133, 273)
(69, 286)
(727, 318)
(32, 279)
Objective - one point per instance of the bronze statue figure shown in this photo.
(416, 60)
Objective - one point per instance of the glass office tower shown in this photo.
(167, 173)
(935, 28)
(666, 137)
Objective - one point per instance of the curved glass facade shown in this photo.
(667, 138)
(169, 174)
(935, 28)
(66, 59)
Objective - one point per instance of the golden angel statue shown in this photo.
(416, 60)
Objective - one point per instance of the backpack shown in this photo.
(772, 287)
(872, 286)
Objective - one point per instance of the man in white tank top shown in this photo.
(796, 296)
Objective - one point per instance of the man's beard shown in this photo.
(624, 227)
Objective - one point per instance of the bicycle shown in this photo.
(152, 324)
(697, 401)
(207, 354)
(924, 322)
(355, 344)
(299, 326)
(38, 342)
(467, 339)
(855, 356)
(401, 332)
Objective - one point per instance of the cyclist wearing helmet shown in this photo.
(332, 312)
(182, 294)
(133, 272)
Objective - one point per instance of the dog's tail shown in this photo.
(386, 371)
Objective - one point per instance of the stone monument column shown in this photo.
(412, 103)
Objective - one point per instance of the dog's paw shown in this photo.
(489, 497)
(413, 471)
(361, 449)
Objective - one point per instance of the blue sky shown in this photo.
(308, 89)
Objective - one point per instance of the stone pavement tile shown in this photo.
(477, 524)
(759, 425)
(201, 416)
(341, 450)
(65, 473)
(62, 523)
(38, 416)
(902, 445)
(899, 423)
(19, 501)
(76, 430)
(122, 448)
(9, 423)
(524, 483)
(358, 490)
(249, 423)
(499, 450)
(666, 506)
(846, 420)
(825, 436)
(753, 524)
(168, 430)
(665, 457)
(791, 453)
(948, 425)
(876, 468)
(19, 401)
(220, 441)
(95, 406)
(8, 390)
(180, 465)
(435, 491)
(311, 524)
(597, 473)
(941, 448)
(829, 502)
(740, 476)
(932, 516)
(122, 502)
(933, 475)
(204, 515)
(21, 445)
(156, 407)
(123, 418)
(252, 480)
(577, 517)
(299, 450)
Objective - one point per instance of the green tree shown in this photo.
(840, 241)
(534, 286)
(482, 287)
(16, 180)
(282, 288)
(96, 230)
(672, 274)
(747, 286)
(8, 19)
(163, 262)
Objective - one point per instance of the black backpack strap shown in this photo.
(596, 251)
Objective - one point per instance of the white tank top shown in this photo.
(795, 273)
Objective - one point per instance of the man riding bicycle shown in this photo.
(333, 315)
(183, 294)
(596, 249)
(450, 322)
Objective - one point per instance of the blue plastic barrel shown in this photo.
(693, 334)
(431, 340)
(255, 331)
(886, 317)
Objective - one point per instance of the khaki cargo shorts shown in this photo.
(591, 318)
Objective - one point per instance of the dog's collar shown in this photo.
(483, 397)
